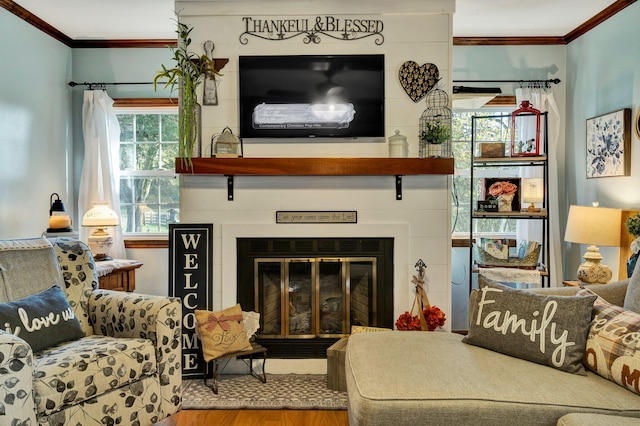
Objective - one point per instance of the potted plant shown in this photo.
(633, 226)
(434, 134)
(188, 72)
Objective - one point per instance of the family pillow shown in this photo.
(42, 320)
(548, 330)
(221, 332)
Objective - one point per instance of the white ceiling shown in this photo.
(154, 19)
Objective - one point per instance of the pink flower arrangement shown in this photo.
(434, 317)
(502, 188)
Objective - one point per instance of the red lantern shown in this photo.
(525, 131)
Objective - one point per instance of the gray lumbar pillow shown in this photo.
(548, 330)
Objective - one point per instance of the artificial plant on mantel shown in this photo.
(188, 72)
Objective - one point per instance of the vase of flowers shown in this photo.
(503, 192)
(188, 72)
(633, 226)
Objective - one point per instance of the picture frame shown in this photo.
(506, 191)
(608, 144)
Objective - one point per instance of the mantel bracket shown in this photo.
(398, 187)
(229, 187)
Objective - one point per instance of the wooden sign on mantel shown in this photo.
(317, 217)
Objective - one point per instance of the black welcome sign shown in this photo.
(190, 279)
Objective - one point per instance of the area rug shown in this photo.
(282, 391)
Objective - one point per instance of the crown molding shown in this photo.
(607, 13)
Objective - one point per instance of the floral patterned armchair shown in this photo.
(125, 370)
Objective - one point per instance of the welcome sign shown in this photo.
(190, 279)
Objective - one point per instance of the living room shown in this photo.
(43, 134)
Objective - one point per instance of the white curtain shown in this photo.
(543, 100)
(99, 180)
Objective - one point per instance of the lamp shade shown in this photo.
(533, 190)
(100, 215)
(597, 226)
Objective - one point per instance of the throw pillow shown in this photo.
(546, 329)
(613, 350)
(42, 320)
(221, 332)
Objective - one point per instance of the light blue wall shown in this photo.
(35, 126)
(603, 72)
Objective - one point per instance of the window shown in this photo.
(488, 130)
(149, 188)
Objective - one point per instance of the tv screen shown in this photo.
(311, 96)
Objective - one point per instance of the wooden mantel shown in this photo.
(317, 166)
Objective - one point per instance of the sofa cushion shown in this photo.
(612, 348)
(42, 320)
(590, 419)
(549, 330)
(76, 371)
(419, 378)
(221, 332)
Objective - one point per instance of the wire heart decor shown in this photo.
(418, 80)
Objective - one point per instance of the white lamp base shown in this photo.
(592, 271)
(100, 242)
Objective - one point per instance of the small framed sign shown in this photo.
(487, 206)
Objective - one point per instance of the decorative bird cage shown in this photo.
(435, 126)
(227, 145)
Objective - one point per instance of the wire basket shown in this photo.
(485, 260)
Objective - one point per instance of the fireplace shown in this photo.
(310, 291)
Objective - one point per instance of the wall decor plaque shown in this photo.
(317, 217)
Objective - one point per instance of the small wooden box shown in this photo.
(336, 375)
(492, 149)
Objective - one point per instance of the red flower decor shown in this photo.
(433, 316)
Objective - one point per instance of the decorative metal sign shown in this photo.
(337, 28)
(317, 217)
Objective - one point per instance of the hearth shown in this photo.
(310, 291)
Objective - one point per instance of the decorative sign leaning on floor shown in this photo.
(317, 217)
(190, 279)
(345, 29)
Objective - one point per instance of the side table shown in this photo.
(117, 274)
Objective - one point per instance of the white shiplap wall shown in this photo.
(418, 31)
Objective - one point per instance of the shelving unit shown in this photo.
(500, 164)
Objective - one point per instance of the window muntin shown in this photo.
(149, 188)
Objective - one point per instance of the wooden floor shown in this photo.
(257, 418)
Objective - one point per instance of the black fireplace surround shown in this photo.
(250, 250)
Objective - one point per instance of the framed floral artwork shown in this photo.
(505, 192)
(609, 144)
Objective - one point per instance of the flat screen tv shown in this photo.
(339, 96)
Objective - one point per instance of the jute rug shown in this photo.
(282, 391)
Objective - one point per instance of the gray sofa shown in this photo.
(433, 378)
(121, 362)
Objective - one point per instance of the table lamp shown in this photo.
(596, 226)
(100, 241)
(533, 192)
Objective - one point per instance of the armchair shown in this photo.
(125, 370)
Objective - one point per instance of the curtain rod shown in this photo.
(102, 85)
(554, 81)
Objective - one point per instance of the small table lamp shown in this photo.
(100, 241)
(533, 192)
(596, 226)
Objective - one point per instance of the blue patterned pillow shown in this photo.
(42, 320)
